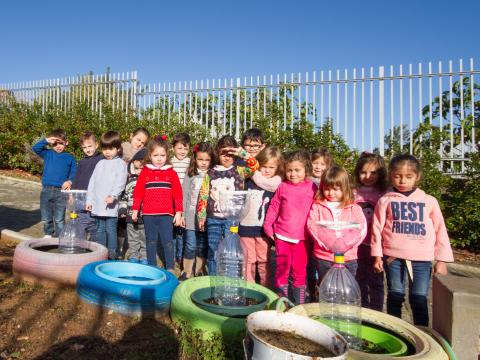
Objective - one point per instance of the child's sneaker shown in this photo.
(47, 236)
(133, 260)
(183, 277)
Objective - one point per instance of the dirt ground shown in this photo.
(42, 323)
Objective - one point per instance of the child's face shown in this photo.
(404, 178)
(333, 193)
(319, 166)
(138, 141)
(253, 147)
(138, 165)
(180, 150)
(109, 154)
(369, 174)
(295, 172)
(269, 169)
(59, 146)
(225, 159)
(203, 160)
(89, 147)
(158, 156)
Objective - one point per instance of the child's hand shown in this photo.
(53, 139)
(177, 219)
(134, 215)
(378, 264)
(109, 200)
(201, 224)
(88, 207)
(67, 185)
(240, 152)
(440, 268)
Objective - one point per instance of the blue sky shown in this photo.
(187, 40)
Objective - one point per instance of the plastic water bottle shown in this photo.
(231, 283)
(72, 239)
(340, 302)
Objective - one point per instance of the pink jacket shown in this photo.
(288, 210)
(320, 211)
(367, 197)
(410, 227)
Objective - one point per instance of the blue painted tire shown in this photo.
(127, 288)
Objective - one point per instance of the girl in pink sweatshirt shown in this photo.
(334, 202)
(408, 232)
(370, 178)
(285, 223)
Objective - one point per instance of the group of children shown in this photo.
(171, 208)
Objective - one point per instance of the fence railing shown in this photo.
(117, 90)
(402, 108)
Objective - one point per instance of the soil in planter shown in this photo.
(250, 301)
(293, 343)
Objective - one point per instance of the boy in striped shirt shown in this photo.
(180, 162)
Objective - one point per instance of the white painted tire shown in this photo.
(52, 269)
(426, 348)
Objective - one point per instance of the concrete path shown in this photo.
(20, 206)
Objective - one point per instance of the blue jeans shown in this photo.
(216, 230)
(52, 210)
(178, 242)
(159, 238)
(89, 224)
(397, 275)
(323, 266)
(370, 282)
(195, 244)
(107, 234)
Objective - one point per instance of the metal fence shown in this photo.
(384, 108)
(117, 90)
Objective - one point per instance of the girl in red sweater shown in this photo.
(159, 193)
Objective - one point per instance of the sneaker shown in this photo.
(183, 277)
(143, 261)
(47, 237)
(133, 260)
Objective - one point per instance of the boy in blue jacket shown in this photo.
(58, 173)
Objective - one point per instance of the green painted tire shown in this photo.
(426, 348)
(184, 311)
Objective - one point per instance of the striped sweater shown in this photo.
(158, 191)
(180, 166)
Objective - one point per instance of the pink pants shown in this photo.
(256, 251)
(290, 257)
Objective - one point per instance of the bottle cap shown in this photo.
(339, 258)
(73, 215)
(234, 229)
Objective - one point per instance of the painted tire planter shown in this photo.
(258, 349)
(127, 288)
(184, 312)
(32, 265)
(425, 347)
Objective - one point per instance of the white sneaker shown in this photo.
(47, 237)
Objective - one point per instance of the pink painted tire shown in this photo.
(52, 269)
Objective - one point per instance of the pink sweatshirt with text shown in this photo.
(320, 211)
(288, 210)
(410, 227)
